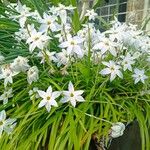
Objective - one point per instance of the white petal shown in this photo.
(142, 80)
(48, 107)
(105, 71)
(79, 92)
(78, 50)
(70, 87)
(119, 73)
(66, 93)
(64, 99)
(1, 130)
(10, 121)
(43, 28)
(69, 49)
(49, 90)
(32, 47)
(41, 93)
(8, 129)
(5, 101)
(113, 52)
(2, 115)
(42, 103)
(22, 21)
(136, 80)
(56, 94)
(64, 45)
(73, 102)
(53, 103)
(112, 76)
(63, 16)
(80, 99)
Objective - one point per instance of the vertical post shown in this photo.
(146, 14)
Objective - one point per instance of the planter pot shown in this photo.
(130, 140)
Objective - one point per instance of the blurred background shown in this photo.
(131, 11)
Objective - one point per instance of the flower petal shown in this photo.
(70, 87)
(49, 90)
(41, 93)
(73, 102)
(42, 103)
(80, 99)
(48, 107)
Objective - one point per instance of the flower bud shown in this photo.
(117, 130)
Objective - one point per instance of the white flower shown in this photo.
(65, 30)
(91, 14)
(73, 45)
(112, 69)
(20, 64)
(32, 74)
(6, 95)
(22, 34)
(117, 130)
(49, 22)
(47, 55)
(127, 61)
(2, 58)
(7, 74)
(62, 12)
(33, 93)
(53, 10)
(62, 58)
(72, 96)
(6, 125)
(105, 45)
(24, 12)
(37, 39)
(48, 98)
(139, 76)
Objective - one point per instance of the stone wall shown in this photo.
(138, 11)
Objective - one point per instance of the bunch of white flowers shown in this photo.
(48, 97)
(119, 50)
(114, 43)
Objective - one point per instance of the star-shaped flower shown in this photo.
(49, 22)
(6, 95)
(91, 14)
(7, 74)
(37, 39)
(112, 69)
(48, 98)
(73, 45)
(139, 76)
(72, 96)
(6, 125)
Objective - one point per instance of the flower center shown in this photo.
(48, 98)
(126, 62)
(72, 43)
(48, 22)
(18, 60)
(71, 95)
(107, 43)
(36, 38)
(8, 74)
(140, 76)
(6, 95)
(112, 68)
(1, 123)
(31, 72)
